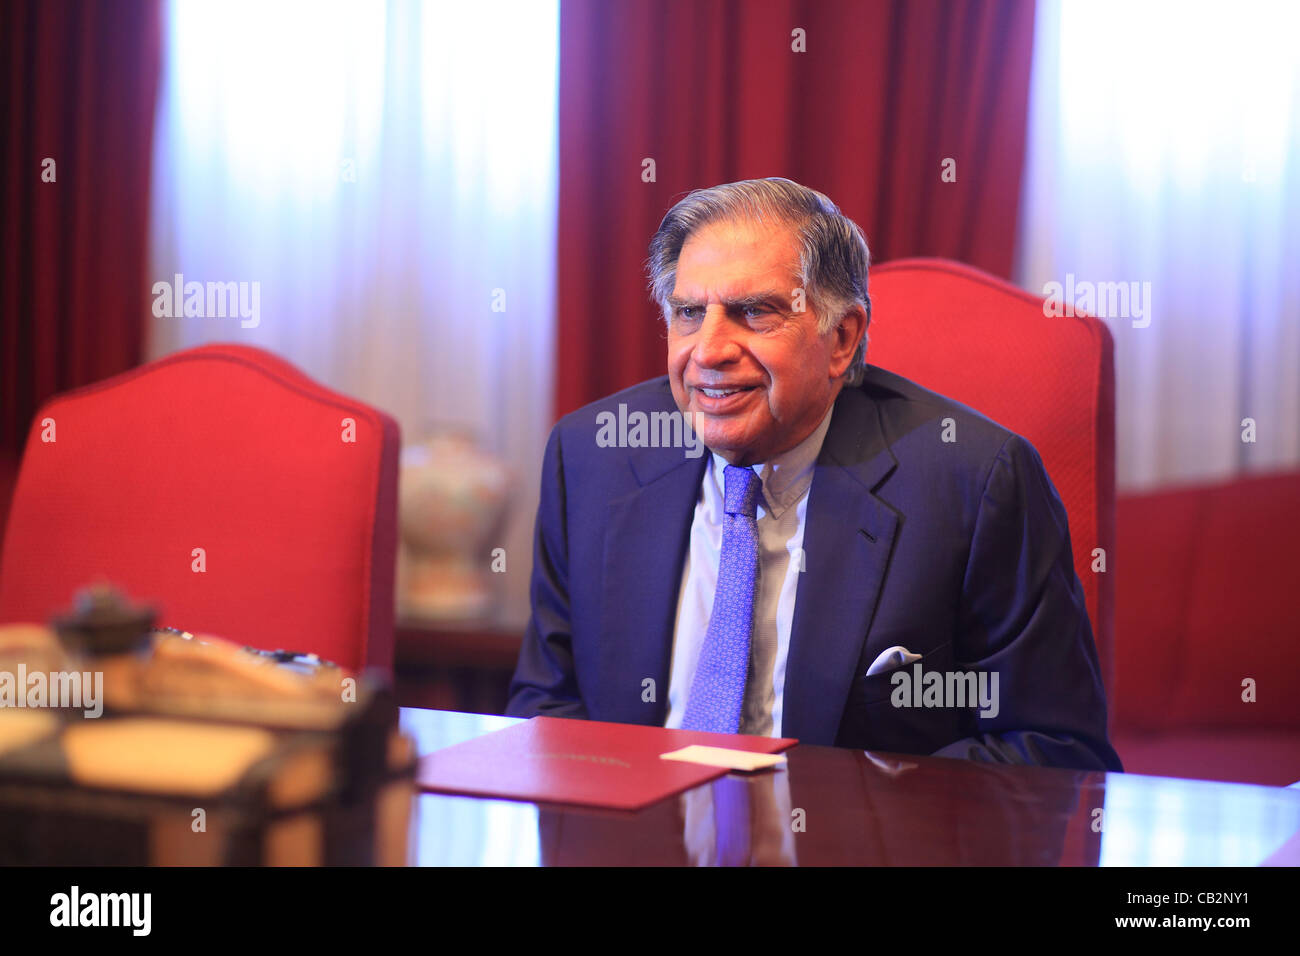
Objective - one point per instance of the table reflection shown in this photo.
(830, 806)
(466, 831)
(835, 807)
(1161, 821)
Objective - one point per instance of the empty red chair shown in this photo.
(226, 488)
(1207, 662)
(986, 343)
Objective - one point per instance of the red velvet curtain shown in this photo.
(713, 91)
(79, 79)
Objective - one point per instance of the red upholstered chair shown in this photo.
(228, 449)
(1205, 599)
(982, 341)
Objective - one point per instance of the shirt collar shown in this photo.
(787, 476)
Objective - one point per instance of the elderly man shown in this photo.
(833, 570)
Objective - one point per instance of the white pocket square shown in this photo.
(891, 658)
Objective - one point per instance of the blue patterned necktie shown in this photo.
(718, 688)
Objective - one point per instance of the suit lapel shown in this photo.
(848, 538)
(646, 536)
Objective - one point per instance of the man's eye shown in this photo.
(689, 312)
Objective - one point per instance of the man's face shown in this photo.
(756, 374)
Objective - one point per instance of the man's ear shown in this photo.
(846, 336)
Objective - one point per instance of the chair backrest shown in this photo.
(1206, 599)
(289, 490)
(982, 341)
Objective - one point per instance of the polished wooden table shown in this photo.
(831, 806)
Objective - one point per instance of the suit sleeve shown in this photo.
(1024, 619)
(545, 681)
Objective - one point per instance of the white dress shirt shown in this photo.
(782, 508)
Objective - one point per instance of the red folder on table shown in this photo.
(580, 762)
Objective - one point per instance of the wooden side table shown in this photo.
(456, 665)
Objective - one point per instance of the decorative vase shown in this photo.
(452, 507)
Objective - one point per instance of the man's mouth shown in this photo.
(724, 391)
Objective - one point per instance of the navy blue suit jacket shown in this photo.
(957, 550)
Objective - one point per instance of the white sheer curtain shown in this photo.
(1164, 148)
(387, 174)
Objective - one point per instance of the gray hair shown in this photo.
(833, 257)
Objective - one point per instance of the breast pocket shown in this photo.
(875, 720)
(878, 687)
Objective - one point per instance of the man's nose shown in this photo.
(717, 343)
